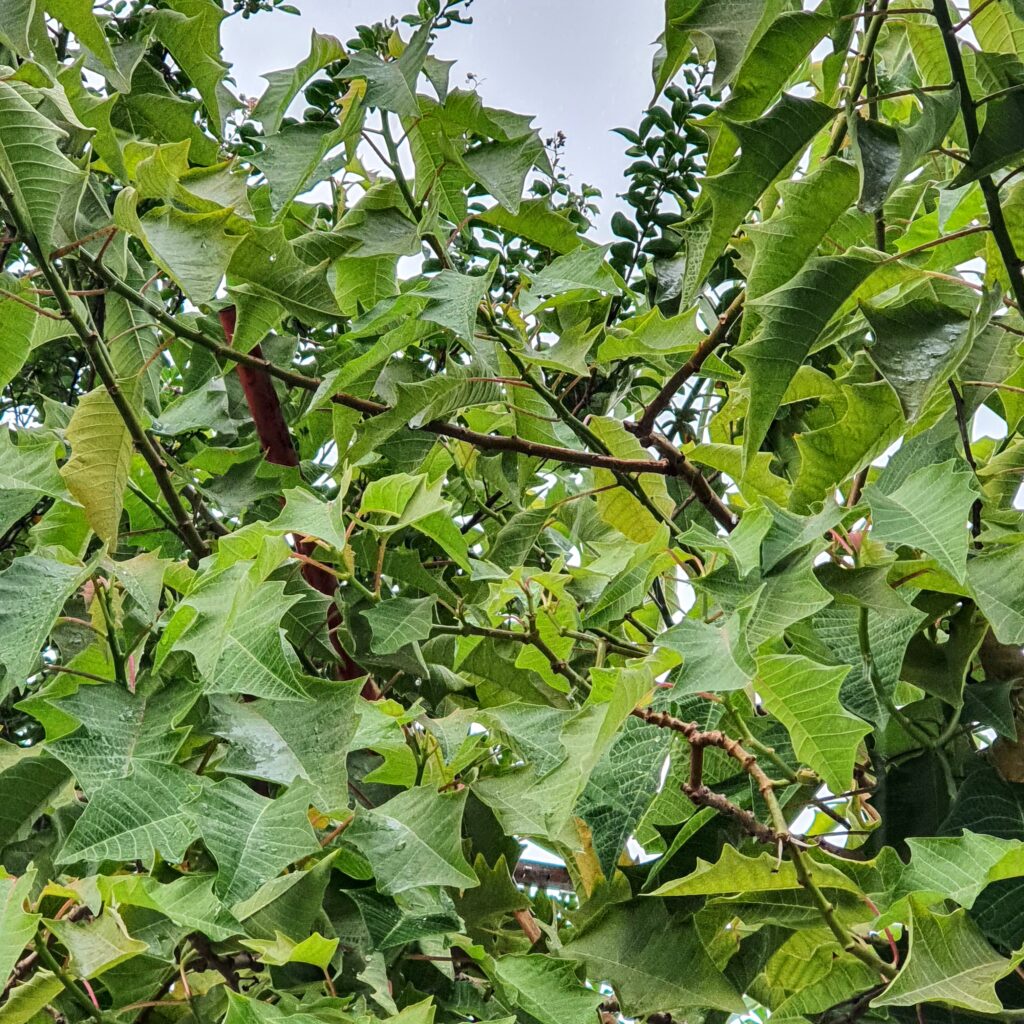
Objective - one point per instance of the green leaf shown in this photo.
(44, 183)
(997, 581)
(98, 945)
(917, 345)
(19, 327)
(804, 696)
(454, 301)
(33, 590)
(232, 627)
(118, 727)
(537, 221)
(30, 785)
(309, 515)
(284, 86)
(188, 901)
(190, 29)
(315, 950)
(193, 248)
(998, 143)
(282, 741)
(252, 838)
(731, 25)
(399, 622)
(582, 273)
(79, 17)
(29, 999)
(135, 818)
(768, 64)
(502, 167)
(15, 18)
(867, 420)
(17, 925)
(735, 872)
(887, 154)
(267, 260)
(929, 511)
(101, 453)
(391, 84)
(546, 989)
(767, 147)
(784, 241)
(295, 159)
(958, 867)
(413, 840)
(621, 789)
(639, 947)
(709, 656)
(792, 318)
(948, 961)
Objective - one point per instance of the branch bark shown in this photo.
(278, 447)
(989, 190)
(662, 400)
(96, 350)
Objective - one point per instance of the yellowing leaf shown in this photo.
(101, 454)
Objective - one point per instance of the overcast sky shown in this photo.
(580, 66)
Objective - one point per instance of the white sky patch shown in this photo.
(530, 56)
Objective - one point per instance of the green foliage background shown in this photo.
(352, 537)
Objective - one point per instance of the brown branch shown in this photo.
(544, 876)
(778, 834)
(485, 442)
(695, 736)
(147, 446)
(528, 925)
(965, 440)
(969, 114)
(664, 397)
(686, 470)
(279, 448)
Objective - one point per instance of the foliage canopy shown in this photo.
(363, 518)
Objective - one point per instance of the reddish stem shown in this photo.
(276, 441)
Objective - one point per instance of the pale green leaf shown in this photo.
(414, 839)
(134, 818)
(315, 950)
(98, 945)
(28, 1000)
(32, 592)
(252, 838)
(17, 925)
(928, 511)
(735, 872)
(804, 696)
(948, 961)
(545, 988)
(44, 183)
(101, 452)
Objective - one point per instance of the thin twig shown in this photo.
(100, 359)
(661, 401)
(969, 114)
(965, 439)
